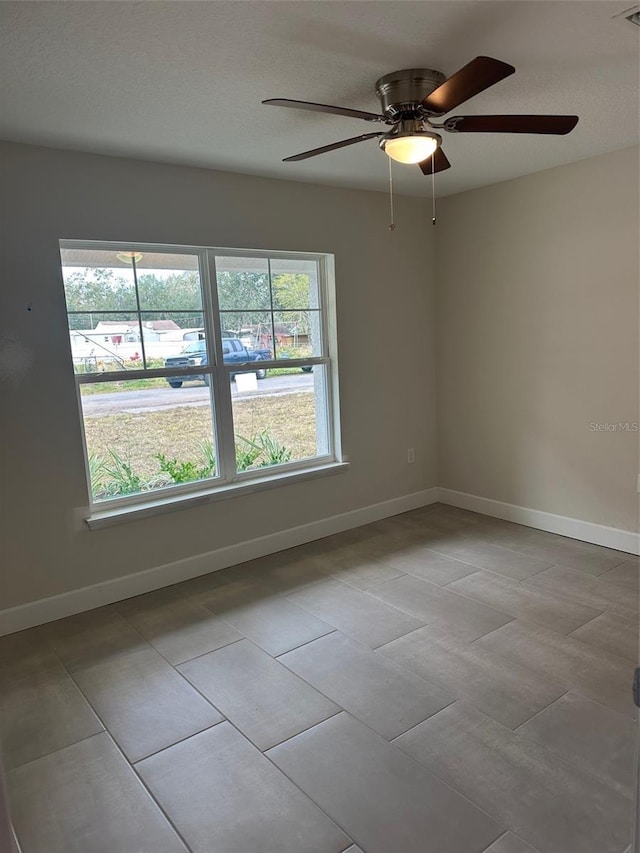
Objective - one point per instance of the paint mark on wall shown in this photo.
(15, 359)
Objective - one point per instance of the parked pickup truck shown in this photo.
(195, 355)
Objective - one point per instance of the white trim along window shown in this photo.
(199, 370)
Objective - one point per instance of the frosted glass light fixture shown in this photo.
(410, 147)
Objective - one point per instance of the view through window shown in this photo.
(197, 368)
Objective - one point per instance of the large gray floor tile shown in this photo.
(355, 613)
(627, 574)
(201, 585)
(492, 557)
(509, 843)
(23, 646)
(435, 604)
(612, 634)
(502, 689)
(385, 697)
(583, 556)
(367, 573)
(596, 592)
(383, 800)
(566, 661)
(144, 703)
(272, 622)
(589, 736)
(177, 628)
(86, 799)
(528, 789)
(532, 604)
(431, 566)
(91, 637)
(41, 709)
(223, 795)
(290, 570)
(260, 696)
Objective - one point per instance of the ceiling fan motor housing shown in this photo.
(400, 92)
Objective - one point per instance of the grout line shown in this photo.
(302, 645)
(9, 770)
(302, 791)
(469, 528)
(454, 592)
(543, 592)
(546, 707)
(493, 630)
(417, 725)
(401, 637)
(373, 585)
(568, 762)
(504, 835)
(132, 768)
(175, 743)
(584, 624)
(464, 577)
(202, 654)
(364, 592)
(178, 664)
(264, 751)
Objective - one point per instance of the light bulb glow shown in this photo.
(128, 257)
(410, 148)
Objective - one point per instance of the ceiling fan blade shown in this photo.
(511, 124)
(323, 108)
(440, 163)
(315, 151)
(473, 78)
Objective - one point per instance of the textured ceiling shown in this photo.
(182, 82)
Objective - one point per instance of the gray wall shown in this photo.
(537, 318)
(385, 298)
(538, 339)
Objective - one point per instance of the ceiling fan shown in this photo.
(411, 99)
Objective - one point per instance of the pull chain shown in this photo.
(392, 224)
(433, 190)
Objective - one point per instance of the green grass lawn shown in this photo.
(179, 432)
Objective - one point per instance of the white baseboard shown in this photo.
(574, 528)
(78, 600)
(87, 598)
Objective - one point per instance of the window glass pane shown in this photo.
(141, 436)
(297, 334)
(294, 284)
(168, 282)
(281, 418)
(99, 343)
(252, 328)
(98, 280)
(167, 336)
(243, 284)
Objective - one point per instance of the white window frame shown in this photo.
(227, 481)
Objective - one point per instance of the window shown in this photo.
(199, 369)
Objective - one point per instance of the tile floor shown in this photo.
(438, 682)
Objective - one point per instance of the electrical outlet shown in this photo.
(411, 455)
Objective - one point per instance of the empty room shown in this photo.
(319, 393)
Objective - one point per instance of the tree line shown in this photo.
(101, 294)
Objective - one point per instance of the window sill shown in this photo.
(112, 517)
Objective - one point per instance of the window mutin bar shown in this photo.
(149, 373)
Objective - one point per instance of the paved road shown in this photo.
(191, 394)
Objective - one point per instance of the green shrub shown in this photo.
(260, 451)
(115, 477)
(182, 472)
